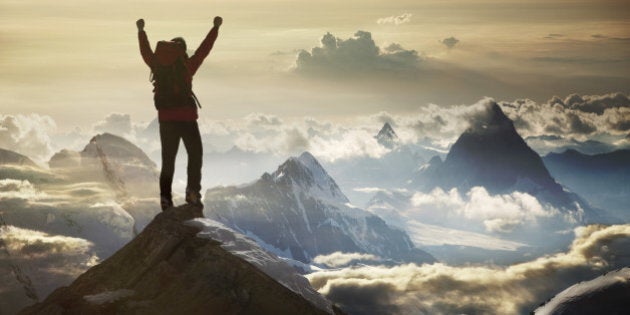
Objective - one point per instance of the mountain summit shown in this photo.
(306, 174)
(299, 212)
(387, 137)
(491, 154)
(171, 269)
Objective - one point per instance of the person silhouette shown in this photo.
(178, 116)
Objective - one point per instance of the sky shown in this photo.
(78, 62)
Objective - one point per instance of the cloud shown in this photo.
(27, 134)
(395, 19)
(260, 119)
(497, 213)
(33, 263)
(115, 123)
(339, 259)
(19, 189)
(579, 117)
(450, 42)
(444, 289)
(554, 36)
(593, 103)
(358, 54)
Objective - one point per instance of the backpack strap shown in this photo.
(195, 98)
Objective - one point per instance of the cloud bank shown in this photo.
(27, 134)
(497, 213)
(356, 55)
(443, 289)
(339, 259)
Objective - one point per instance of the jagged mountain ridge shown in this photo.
(493, 155)
(299, 212)
(603, 179)
(170, 269)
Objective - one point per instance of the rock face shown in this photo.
(168, 269)
(608, 294)
(299, 212)
(493, 155)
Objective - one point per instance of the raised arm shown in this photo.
(143, 41)
(204, 49)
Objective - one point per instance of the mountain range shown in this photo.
(603, 179)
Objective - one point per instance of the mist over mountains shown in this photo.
(382, 197)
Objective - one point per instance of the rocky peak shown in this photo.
(491, 120)
(116, 148)
(170, 269)
(387, 137)
(305, 172)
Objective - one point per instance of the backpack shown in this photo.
(169, 76)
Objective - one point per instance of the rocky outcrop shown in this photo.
(168, 269)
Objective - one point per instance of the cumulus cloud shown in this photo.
(260, 119)
(444, 289)
(19, 189)
(27, 134)
(33, 263)
(339, 259)
(395, 19)
(576, 117)
(115, 123)
(358, 54)
(450, 42)
(497, 213)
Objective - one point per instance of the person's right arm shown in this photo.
(143, 41)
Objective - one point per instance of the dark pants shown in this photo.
(170, 133)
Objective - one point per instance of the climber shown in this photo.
(171, 73)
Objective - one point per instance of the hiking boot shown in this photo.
(194, 198)
(166, 202)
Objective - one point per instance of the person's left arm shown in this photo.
(194, 62)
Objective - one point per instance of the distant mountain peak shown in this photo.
(387, 137)
(493, 155)
(306, 172)
(10, 157)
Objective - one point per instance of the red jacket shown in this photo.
(184, 113)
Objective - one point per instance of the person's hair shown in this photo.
(181, 41)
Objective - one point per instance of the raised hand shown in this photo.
(140, 24)
(218, 21)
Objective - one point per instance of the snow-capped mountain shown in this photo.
(607, 294)
(299, 212)
(491, 154)
(387, 137)
(129, 174)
